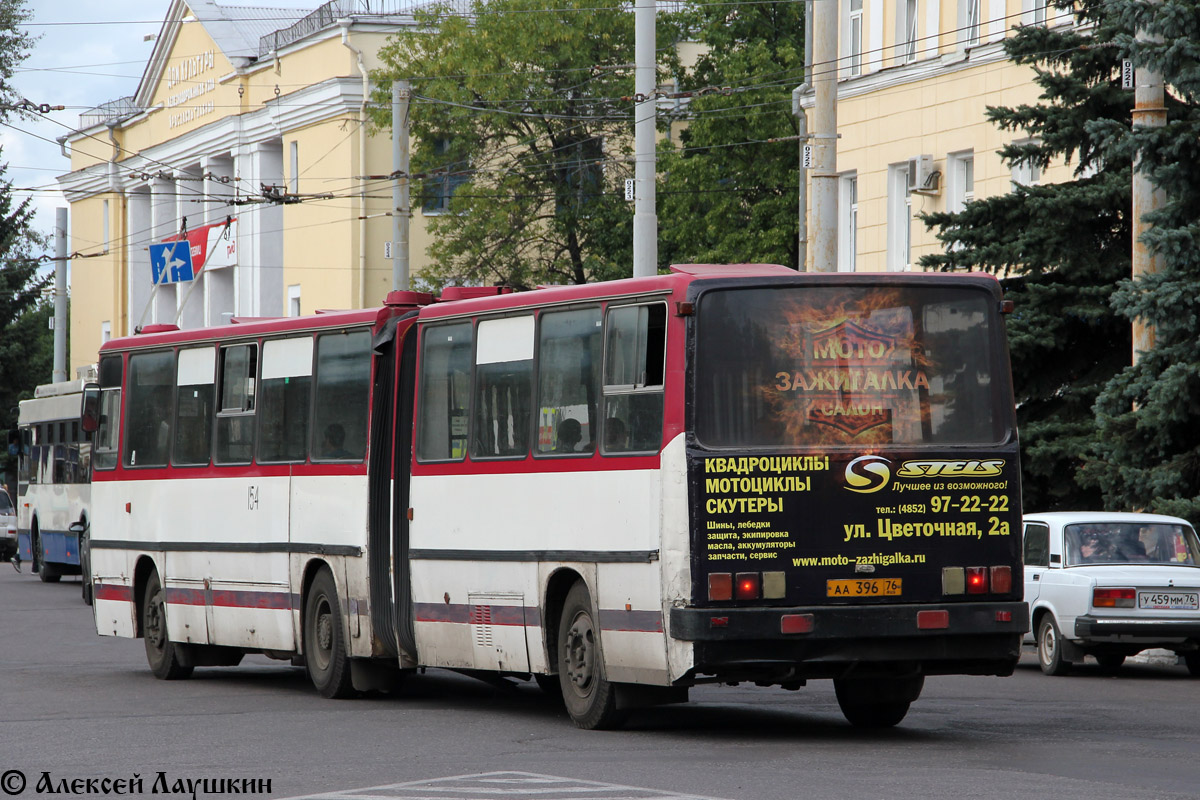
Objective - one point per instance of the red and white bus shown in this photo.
(727, 473)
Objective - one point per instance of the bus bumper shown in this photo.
(781, 644)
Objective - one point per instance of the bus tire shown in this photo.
(85, 565)
(46, 572)
(324, 640)
(1049, 648)
(162, 654)
(591, 700)
(878, 703)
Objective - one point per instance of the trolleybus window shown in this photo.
(108, 435)
(503, 381)
(568, 380)
(235, 418)
(151, 384)
(831, 365)
(195, 379)
(284, 396)
(633, 378)
(445, 392)
(343, 391)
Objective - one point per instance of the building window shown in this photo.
(962, 179)
(105, 332)
(294, 168)
(293, 294)
(443, 181)
(1026, 173)
(969, 22)
(899, 218)
(906, 31)
(854, 34)
(848, 226)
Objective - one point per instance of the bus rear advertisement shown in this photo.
(619, 490)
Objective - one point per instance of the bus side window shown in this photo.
(108, 435)
(569, 347)
(194, 390)
(634, 364)
(445, 392)
(342, 396)
(235, 412)
(151, 384)
(284, 396)
(503, 388)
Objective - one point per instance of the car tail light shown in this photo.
(1113, 598)
(954, 580)
(1001, 580)
(720, 586)
(977, 580)
(748, 586)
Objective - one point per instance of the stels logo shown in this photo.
(867, 474)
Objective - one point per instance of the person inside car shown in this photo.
(1093, 548)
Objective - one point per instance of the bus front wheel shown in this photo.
(324, 640)
(161, 652)
(590, 698)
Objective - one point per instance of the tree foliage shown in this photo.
(519, 105)
(1061, 249)
(728, 194)
(1148, 450)
(26, 351)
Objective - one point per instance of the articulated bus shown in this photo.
(53, 481)
(620, 490)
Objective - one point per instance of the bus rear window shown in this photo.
(848, 365)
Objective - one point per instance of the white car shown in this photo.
(1110, 585)
(8, 527)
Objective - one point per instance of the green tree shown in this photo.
(728, 194)
(518, 110)
(1061, 250)
(24, 352)
(1149, 414)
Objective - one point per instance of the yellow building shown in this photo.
(237, 106)
(915, 80)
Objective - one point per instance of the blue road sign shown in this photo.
(173, 258)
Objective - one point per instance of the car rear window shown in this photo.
(6, 506)
(1131, 543)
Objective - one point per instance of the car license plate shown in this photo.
(863, 587)
(1169, 600)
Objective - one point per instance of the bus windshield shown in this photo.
(851, 365)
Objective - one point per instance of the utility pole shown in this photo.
(824, 138)
(1149, 111)
(401, 93)
(802, 189)
(645, 218)
(60, 295)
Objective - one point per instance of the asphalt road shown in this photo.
(79, 706)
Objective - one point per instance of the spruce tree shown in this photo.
(1061, 250)
(1148, 450)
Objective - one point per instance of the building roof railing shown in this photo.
(327, 16)
(112, 110)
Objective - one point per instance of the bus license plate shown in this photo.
(864, 587)
(1169, 600)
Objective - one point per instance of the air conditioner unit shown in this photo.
(922, 177)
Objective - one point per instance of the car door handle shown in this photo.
(1037, 576)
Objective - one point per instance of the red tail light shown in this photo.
(748, 584)
(977, 580)
(720, 586)
(1001, 580)
(1113, 598)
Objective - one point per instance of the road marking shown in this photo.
(502, 786)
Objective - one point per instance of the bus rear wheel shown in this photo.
(46, 572)
(162, 654)
(324, 640)
(591, 700)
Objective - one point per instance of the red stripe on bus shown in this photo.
(462, 614)
(112, 591)
(227, 598)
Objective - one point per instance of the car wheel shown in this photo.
(1110, 662)
(1192, 660)
(1049, 648)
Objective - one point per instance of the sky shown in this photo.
(89, 53)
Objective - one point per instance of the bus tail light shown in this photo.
(774, 585)
(933, 620)
(720, 586)
(1001, 580)
(1113, 598)
(748, 586)
(796, 623)
(977, 580)
(954, 580)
